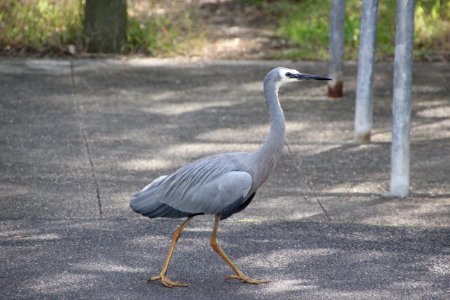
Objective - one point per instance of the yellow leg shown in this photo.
(239, 275)
(162, 276)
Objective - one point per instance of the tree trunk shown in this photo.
(105, 25)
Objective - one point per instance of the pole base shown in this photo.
(399, 186)
(362, 138)
(336, 89)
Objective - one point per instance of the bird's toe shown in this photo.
(166, 281)
(153, 278)
(247, 279)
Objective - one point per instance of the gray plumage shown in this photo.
(226, 182)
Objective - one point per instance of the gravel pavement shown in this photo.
(79, 137)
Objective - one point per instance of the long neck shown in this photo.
(269, 153)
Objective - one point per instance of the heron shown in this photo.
(220, 184)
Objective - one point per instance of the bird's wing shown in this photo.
(154, 182)
(214, 195)
(204, 186)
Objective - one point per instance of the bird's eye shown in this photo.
(288, 74)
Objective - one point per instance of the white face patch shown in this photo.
(285, 78)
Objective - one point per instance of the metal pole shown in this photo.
(336, 48)
(366, 58)
(401, 107)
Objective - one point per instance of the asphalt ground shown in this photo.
(79, 137)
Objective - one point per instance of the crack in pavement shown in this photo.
(308, 184)
(85, 138)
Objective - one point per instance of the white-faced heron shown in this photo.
(220, 184)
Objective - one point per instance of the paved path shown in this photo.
(77, 138)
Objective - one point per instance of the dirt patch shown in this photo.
(236, 30)
(232, 30)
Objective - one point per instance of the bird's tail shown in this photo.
(156, 209)
(145, 203)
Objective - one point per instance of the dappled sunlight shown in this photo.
(416, 284)
(379, 136)
(431, 103)
(10, 190)
(440, 129)
(49, 65)
(61, 283)
(206, 229)
(155, 164)
(393, 212)
(280, 286)
(300, 259)
(106, 266)
(255, 134)
(321, 224)
(303, 148)
(202, 149)
(150, 238)
(161, 96)
(435, 112)
(366, 187)
(173, 109)
(282, 258)
(229, 45)
(316, 98)
(255, 87)
(18, 233)
(94, 65)
(440, 266)
(249, 220)
(130, 137)
(293, 126)
(36, 237)
(429, 89)
(305, 91)
(135, 94)
(303, 132)
(287, 207)
(156, 62)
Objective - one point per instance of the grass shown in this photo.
(170, 28)
(32, 25)
(168, 31)
(305, 25)
(432, 28)
(49, 26)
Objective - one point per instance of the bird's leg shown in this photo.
(162, 276)
(239, 275)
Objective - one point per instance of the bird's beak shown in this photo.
(311, 77)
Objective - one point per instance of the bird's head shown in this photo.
(283, 75)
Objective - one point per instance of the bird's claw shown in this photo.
(166, 281)
(247, 279)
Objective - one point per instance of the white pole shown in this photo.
(336, 48)
(401, 107)
(366, 58)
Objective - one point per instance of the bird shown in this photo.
(219, 184)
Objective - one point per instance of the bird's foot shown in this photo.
(247, 279)
(166, 281)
